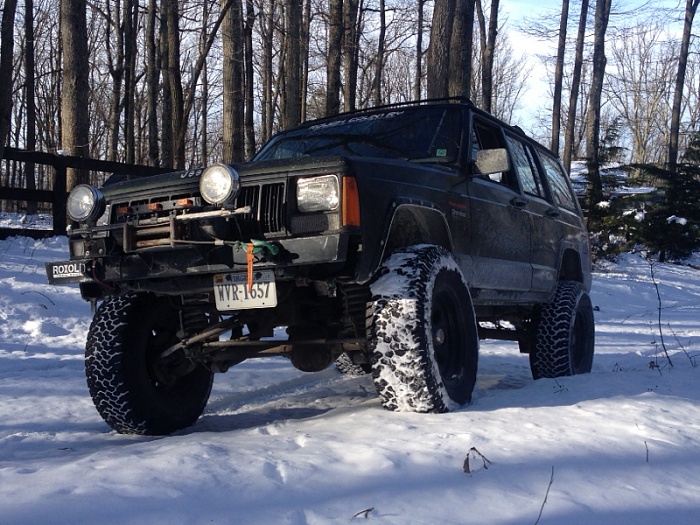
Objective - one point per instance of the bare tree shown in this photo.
(249, 81)
(75, 121)
(351, 46)
(233, 97)
(461, 50)
(379, 58)
(439, 49)
(691, 7)
(602, 16)
(418, 81)
(291, 115)
(575, 86)
(559, 76)
(29, 96)
(152, 78)
(333, 63)
(7, 40)
(488, 46)
(639, 89)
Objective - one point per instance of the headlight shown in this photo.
(219, 184)
(318, 194)
(85, 203)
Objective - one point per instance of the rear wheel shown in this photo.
(564, 335)
(423, 335)
(345, 364)
(134, 389)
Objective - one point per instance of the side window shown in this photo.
(484, 136)
(525, 167)
(558, 181)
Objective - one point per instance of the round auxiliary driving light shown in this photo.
(85, 203)
(219, 184)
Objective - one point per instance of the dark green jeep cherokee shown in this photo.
(387, 240)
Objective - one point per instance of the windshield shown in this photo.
(419, 134)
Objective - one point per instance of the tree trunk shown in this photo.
(439, 49)
(233, 104)
(152, 76)
(267, 110)
(487, 58)
(204, 104)
(575, 86)
(559, 76)
(115, 64)
(379, 60)
(691, 7)
(167, 132)
(7, 42)
(333, 63)
(291, 115)
(249, 82)
(350, 53)
(29, 97)
(418, 78)
(461, 50)
(305, 49)
(602, 15)
(177, 116)
(75, 119)
(131, 26)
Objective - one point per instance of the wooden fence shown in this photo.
(57, 197)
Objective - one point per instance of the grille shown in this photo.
(266, 217)
(267, 204)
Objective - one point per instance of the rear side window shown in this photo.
(557, 178)
(525, 167)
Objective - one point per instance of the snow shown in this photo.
(620, 445)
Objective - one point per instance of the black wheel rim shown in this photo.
(448, 333)
(580, 339)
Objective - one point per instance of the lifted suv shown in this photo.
(388, 240)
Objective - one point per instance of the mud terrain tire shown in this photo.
(345, 365)
(423, 334)
(564, 335)
(134, 391)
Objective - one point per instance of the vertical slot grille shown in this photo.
(267, 208)
(271, 207)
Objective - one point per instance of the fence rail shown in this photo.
(57, 197)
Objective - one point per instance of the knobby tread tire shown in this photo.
(564, 337)
(123, 389)
(407, 370)
(346, 366)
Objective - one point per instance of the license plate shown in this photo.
(231, 291)
(69, 272)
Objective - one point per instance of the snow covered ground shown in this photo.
(277, 446)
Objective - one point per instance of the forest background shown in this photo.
(186, 83)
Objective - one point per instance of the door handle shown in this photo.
(518, 202)
(552, 212)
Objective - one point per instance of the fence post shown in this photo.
(59, 199)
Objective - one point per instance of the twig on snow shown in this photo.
(658, 296)
(466, 468)
(691, 358)
(551, 480)
(363, 513)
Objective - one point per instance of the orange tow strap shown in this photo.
(249, 261)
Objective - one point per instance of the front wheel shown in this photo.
(564, 334)
(134, 389)
(423, 334)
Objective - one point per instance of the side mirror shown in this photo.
(490, 161)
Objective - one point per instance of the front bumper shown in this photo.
(295, 258)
